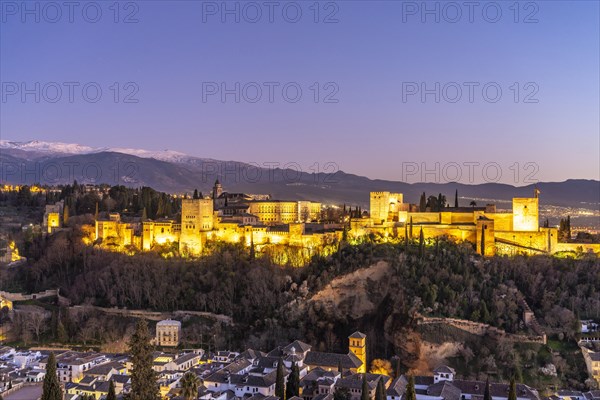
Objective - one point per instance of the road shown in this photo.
(26, 393)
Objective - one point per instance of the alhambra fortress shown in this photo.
(258, 220)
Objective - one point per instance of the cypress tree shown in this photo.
(482, 240)
(512, 390)
(456, 199)
(365, 389)
(293, 383)
(111, 391)
(61, 332)
(380, 391)
(410, 393)
(66, 215)
(280, 381)
(423, 203)
(340, 369)
(410, 230)
(51, 389)
(486, 394)
(406, 236)
(252, 250)
(195, 196)
(144, 214)
(143, 380)
(421, 243)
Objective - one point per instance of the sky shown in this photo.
(399, 90)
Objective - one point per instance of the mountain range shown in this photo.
(175, 172)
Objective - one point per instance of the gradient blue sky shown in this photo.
(368, 54)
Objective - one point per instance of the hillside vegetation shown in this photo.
(379, 288)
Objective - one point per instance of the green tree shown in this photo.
(421, 243)
(486, 394)
(143, 380)
(397, 369)
(280, 380)
(512, 390)
(364, 394)
(61, 332)
(456, 199)
(65, 215)
(51, 389)
(341, 393)
(293, 383)
(482, 240)
(410, 393)
(423, 203)
(189, 386)
(380, 391)
(441, 202)
(111, 392)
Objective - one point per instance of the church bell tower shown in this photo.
(358, 346)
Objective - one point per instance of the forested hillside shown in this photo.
(272, 304)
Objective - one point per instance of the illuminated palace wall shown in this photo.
(273, 212)
(160, 232)
(292, 234)
(199, 223)
(502, 232)
(286, 223)
(114, 232)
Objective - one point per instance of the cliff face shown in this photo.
(354, 295)
(369, 299)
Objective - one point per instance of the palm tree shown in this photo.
(473, 203)
(189, 386)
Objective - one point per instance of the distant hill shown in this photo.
(48, 163)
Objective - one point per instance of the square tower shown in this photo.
(485, 245)
(384, 206)
(358, 346)
(196, 217)
(525, 214)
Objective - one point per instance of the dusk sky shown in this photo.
(368, 61)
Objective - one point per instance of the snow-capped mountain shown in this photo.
(59, 148)
(171, 171)
(46, 147)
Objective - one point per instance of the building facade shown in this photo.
(168, 333)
